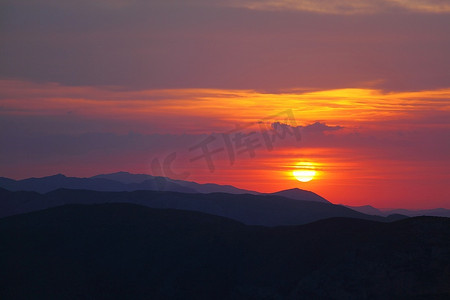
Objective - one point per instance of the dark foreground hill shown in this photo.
(123, 251)
(264, 210)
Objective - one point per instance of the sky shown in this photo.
(233, 92)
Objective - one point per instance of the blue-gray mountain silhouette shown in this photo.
(299, 194)
(370, 210)
(126, 177)
(120, 181)
(51, 183)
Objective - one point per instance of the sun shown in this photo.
(305, 171)
(304, 175)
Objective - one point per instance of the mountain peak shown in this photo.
(299, 194)
(124, 177)
(120, 173)
(294, 189)
(59, 175)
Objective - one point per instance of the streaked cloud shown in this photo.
(174, 108)
(193, 44)
(349, 7)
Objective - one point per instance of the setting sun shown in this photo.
(304, 175)
(305, 171)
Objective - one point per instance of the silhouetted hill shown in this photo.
(264, 210)
(367, 209)
(126, 177)
(436, 212)
(213, 188)
(370, 210)
(51, 183)
(123, 251)
(299, 194)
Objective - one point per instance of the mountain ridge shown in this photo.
(126, 177)
(266, 210)
(124, 181)
(370, 210)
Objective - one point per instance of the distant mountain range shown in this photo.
(370, 210)
(128, 178)
(125, 251)
(127, 182)
(116, 182)
(96, 183)
(124, 181)
(137, 236)
(267, 210)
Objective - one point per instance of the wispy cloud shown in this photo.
(220, 108)
(349, 7)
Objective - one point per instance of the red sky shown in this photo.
(102, 86)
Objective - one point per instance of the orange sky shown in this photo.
(358, 89)
(367, 146)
